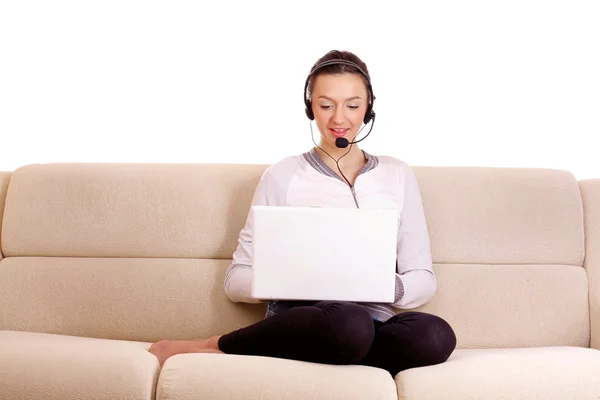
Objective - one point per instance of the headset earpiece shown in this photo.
(369, 115)
(308, 110)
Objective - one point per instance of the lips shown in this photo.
(338, 132)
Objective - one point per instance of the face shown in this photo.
(339, 103)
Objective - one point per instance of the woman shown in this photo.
(336, 173)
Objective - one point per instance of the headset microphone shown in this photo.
(342, 142)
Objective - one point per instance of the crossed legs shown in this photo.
(333, 333)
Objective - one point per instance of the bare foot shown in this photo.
(168, 348)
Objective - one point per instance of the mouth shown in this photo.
(338, 132)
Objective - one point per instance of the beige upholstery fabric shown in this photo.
(558, 373)
(227, 377)
(38, 366)
(128, 210)
(502, 216)
(513, 305)
(590, 192)
(4, 180)
(131, 299)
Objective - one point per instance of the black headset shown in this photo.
(369, 115)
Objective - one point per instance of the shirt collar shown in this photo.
(315, 161)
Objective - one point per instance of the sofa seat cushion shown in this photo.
(233, 377)
(46, 366)
(549, 373)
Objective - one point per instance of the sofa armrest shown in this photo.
(590, 193)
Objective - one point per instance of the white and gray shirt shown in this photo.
(385, 183)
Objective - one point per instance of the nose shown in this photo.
(338, 115)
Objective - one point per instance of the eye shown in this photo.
(353, 107)
(325, 107)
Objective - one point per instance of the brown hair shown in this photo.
(336, 69)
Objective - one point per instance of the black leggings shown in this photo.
(344, 333)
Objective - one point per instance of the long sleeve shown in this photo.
(416, 282)
(238, 277)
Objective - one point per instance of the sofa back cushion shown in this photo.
(503, 215)
(145, 299)
(127, 210)
(508, 248)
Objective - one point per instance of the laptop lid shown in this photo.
(311, 253)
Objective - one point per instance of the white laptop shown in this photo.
(312, 253)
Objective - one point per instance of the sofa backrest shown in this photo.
(508, 245)
(139, 251)
(129, 251)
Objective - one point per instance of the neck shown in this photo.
(354, 157)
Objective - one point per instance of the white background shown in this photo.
(483, 83)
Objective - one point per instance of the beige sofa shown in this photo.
(99, 261)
